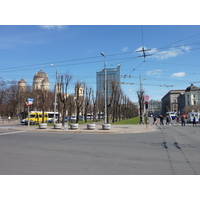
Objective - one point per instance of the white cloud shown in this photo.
(161, 55)
(59, 27)
(156, 72)
(125, 49)
(179, 74)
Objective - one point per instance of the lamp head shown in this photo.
(102, 53)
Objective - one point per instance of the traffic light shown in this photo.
(146, 105)
(31, 107)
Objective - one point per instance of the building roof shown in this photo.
(192, 88)
(41, 74)
(22, 81)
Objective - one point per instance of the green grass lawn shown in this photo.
(135, 120)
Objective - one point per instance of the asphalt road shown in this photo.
(169, 150)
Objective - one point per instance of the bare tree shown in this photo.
(94, 101)
(87, 101)
(78, 100)
(63, 84)
(100, 104)
(141, 101)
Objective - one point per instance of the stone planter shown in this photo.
(58, 126)
(74, 126)
(91, 126)
(106, 126)
(42, 125)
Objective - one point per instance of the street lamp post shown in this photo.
(105, 98)
(55, 95)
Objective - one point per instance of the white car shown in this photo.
(73, 118)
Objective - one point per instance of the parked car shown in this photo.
(73, 118)
(82, 118)
(23, 121)
(52, 120)
(67, 119)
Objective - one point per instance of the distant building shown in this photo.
(113, 74)
(41, 81)
(181, 103)
(22, 85)
(170, 101)
(192, 95)
(154, 107)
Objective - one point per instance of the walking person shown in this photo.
(9, 118)
(170, 120)
(177, 119)
(161, 120)
(182, 120)
(154, 120)
(167, 120)
(194, 121)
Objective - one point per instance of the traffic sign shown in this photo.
(30, 99)
(27, 104)
(146, 97)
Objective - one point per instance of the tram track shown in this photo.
(174, 141)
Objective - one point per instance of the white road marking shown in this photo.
(9, 133)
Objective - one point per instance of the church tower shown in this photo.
(22, 85)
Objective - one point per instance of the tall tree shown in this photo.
(63, 84)
(78, 99)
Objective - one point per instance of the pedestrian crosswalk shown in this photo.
(175, 124)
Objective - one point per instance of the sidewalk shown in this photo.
(82, 128)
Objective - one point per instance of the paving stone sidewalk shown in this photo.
(15, 125)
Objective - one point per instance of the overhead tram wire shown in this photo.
(182, 39)
(70, 60)
(47, 63)
(70, 64)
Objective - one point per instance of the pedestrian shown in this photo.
(177, 119)
(141, 121)
(194, 121)
(161, 120)
(167, 120)
(9, 118)
(154, 120)
(182, 120)
(170, 120)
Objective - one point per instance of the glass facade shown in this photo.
(113, 74)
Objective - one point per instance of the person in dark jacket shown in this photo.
(154, 120)
(194, 121)
(161, 120)
(182, 120)
(167, 120)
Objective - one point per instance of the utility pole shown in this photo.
(55, 95)
(105, 94)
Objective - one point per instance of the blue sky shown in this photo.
(172, 61)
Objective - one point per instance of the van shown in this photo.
(36, 118)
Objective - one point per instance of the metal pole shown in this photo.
(105, 92)
(55, 98)
(28, 117)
